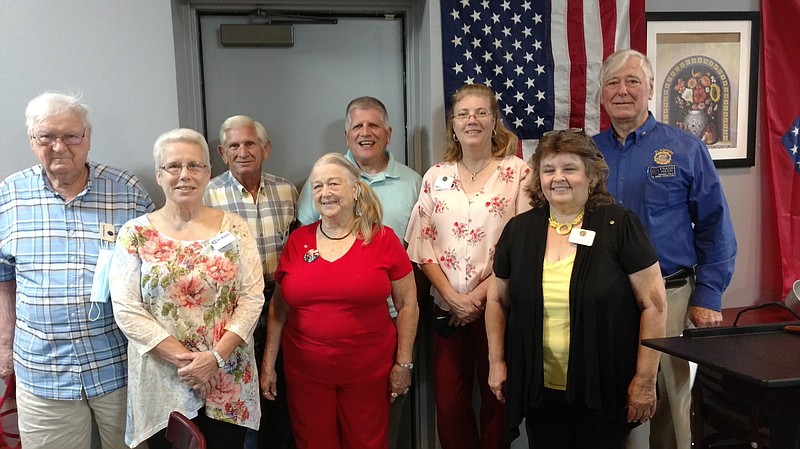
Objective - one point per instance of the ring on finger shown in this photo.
(394, 394)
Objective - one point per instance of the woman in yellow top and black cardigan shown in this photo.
(577, 286)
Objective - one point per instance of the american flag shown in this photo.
(541, 57)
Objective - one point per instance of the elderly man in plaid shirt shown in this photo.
(58, 222)
(269, 205)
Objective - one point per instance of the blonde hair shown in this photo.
(504, 142)
(368, 211)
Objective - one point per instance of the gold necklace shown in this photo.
(473, 175)
(564, 228)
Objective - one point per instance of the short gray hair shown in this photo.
(241, 121)
(185, 135)
(54, 103)
(619, 58)
(366, 103)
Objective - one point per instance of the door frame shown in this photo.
(418, 98)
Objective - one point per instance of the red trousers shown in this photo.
(457, 359)
(339, 416)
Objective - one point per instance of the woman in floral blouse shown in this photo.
(187, 290)
(465, 202)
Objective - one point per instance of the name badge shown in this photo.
(583, 237)
(221, 241)
(662, 171)
(108, 232)
(444, 182)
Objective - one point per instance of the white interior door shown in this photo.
(300, 93)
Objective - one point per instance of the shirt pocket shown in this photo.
(664, 193)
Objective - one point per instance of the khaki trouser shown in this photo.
(670, 426)
(47, 423)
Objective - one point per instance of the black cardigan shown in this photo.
(604, 315)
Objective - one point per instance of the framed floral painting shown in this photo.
(706, 69)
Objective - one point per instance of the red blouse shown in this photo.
(339, 329)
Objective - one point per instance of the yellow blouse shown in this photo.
(555, 341)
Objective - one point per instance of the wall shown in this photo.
(119, 54)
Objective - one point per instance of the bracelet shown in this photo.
(220, 361)
(408, 366)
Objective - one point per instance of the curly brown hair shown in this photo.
(571, 142)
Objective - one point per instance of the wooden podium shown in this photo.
(761, 364)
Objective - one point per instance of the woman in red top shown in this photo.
(345, 360)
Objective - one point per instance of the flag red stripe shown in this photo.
(638, 25)
(608, 22)
(577, 55)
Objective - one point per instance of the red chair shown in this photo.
(183, 433)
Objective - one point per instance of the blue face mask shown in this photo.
(101, 290)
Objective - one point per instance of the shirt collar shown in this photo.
(391, 170)
(44, 183)
(239, 187)
(639, 133)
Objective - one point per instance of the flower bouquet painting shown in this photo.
(705, 69)
(697, 99)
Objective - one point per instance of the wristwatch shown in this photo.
(220, 362)
(408, 366)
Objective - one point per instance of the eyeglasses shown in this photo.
(558, 132)
(480, 114)
(48, 139)
(175, 168)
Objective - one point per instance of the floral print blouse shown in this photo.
(193, 291)
(460, 231)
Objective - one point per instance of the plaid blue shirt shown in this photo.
(50, 248)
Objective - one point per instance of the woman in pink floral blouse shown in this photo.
(465, 202)
(187, 289)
